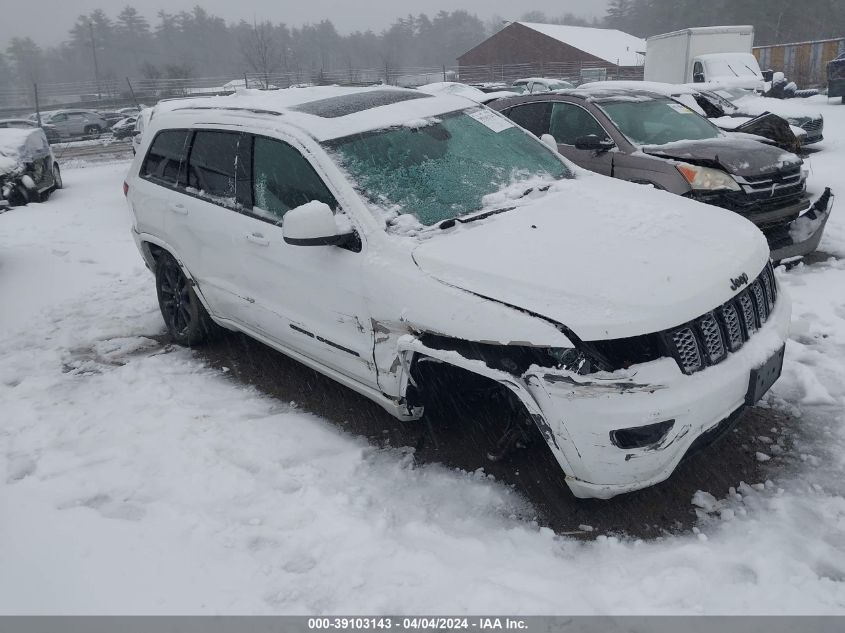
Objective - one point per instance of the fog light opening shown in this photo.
(641, 436)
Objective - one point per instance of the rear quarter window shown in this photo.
(166, 160)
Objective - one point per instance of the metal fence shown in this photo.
(805, 63)
(114, 93)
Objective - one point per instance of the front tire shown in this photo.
(57, 177)
(57, 183)
(187, 321)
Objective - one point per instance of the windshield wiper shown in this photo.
(448, 224)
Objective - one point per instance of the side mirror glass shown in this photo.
(591, 142)
(312, 224)
(549, 140)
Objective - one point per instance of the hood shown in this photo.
(604, 269)
(738, 156)
(8, 165)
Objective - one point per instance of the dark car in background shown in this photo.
(836, 78)
(125, 128)
(111, 117)
(28, 170)
(648, 138)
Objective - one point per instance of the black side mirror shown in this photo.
(768, 75)
(698, 78)
(593, 143)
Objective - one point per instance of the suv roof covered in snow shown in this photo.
(324, 112)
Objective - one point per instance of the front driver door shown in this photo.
(567, 123)
(308, 298)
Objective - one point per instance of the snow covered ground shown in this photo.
(136, 479)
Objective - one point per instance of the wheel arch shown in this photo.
(413, 351)
(152, 250)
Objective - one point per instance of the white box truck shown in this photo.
(720, 54)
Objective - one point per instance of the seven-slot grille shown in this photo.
(813, 125)
(708, 339)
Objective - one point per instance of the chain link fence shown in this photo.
(112, 93)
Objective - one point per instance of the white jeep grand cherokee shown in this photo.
(383, 236)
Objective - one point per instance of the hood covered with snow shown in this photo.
(797, 109)
(604, 269)
(21, 145)
(738, 156)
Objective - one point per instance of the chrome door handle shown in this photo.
(178, 207)
(257, 238)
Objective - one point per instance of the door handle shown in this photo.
(257, 238)
(178, 207)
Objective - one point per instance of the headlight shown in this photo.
(706, 178)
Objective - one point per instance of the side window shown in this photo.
(570, 122)
(698, 72)
(283, 180)
(59, 118)
(165, 162)
(534, 117)
(211, 165)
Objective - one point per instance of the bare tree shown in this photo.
(262, 51)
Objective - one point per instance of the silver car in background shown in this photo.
(75, 123)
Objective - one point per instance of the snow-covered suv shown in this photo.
(389, 238)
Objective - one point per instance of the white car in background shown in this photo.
(464, 90)
(533, 85)
(407, 244)
(141, 121)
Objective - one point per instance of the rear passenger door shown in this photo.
(160, 178)
(204, 223)
(308, 298)
(60, 121)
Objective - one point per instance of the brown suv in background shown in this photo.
(649, 138)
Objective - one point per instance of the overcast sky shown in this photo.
(48, 21)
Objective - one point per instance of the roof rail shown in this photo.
(231, 108)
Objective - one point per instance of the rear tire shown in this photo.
(187, 321)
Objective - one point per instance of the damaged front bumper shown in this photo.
(580, 416)
(585, 412)
(802, 236)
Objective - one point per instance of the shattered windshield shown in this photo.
(658, 121)
(442, 168)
